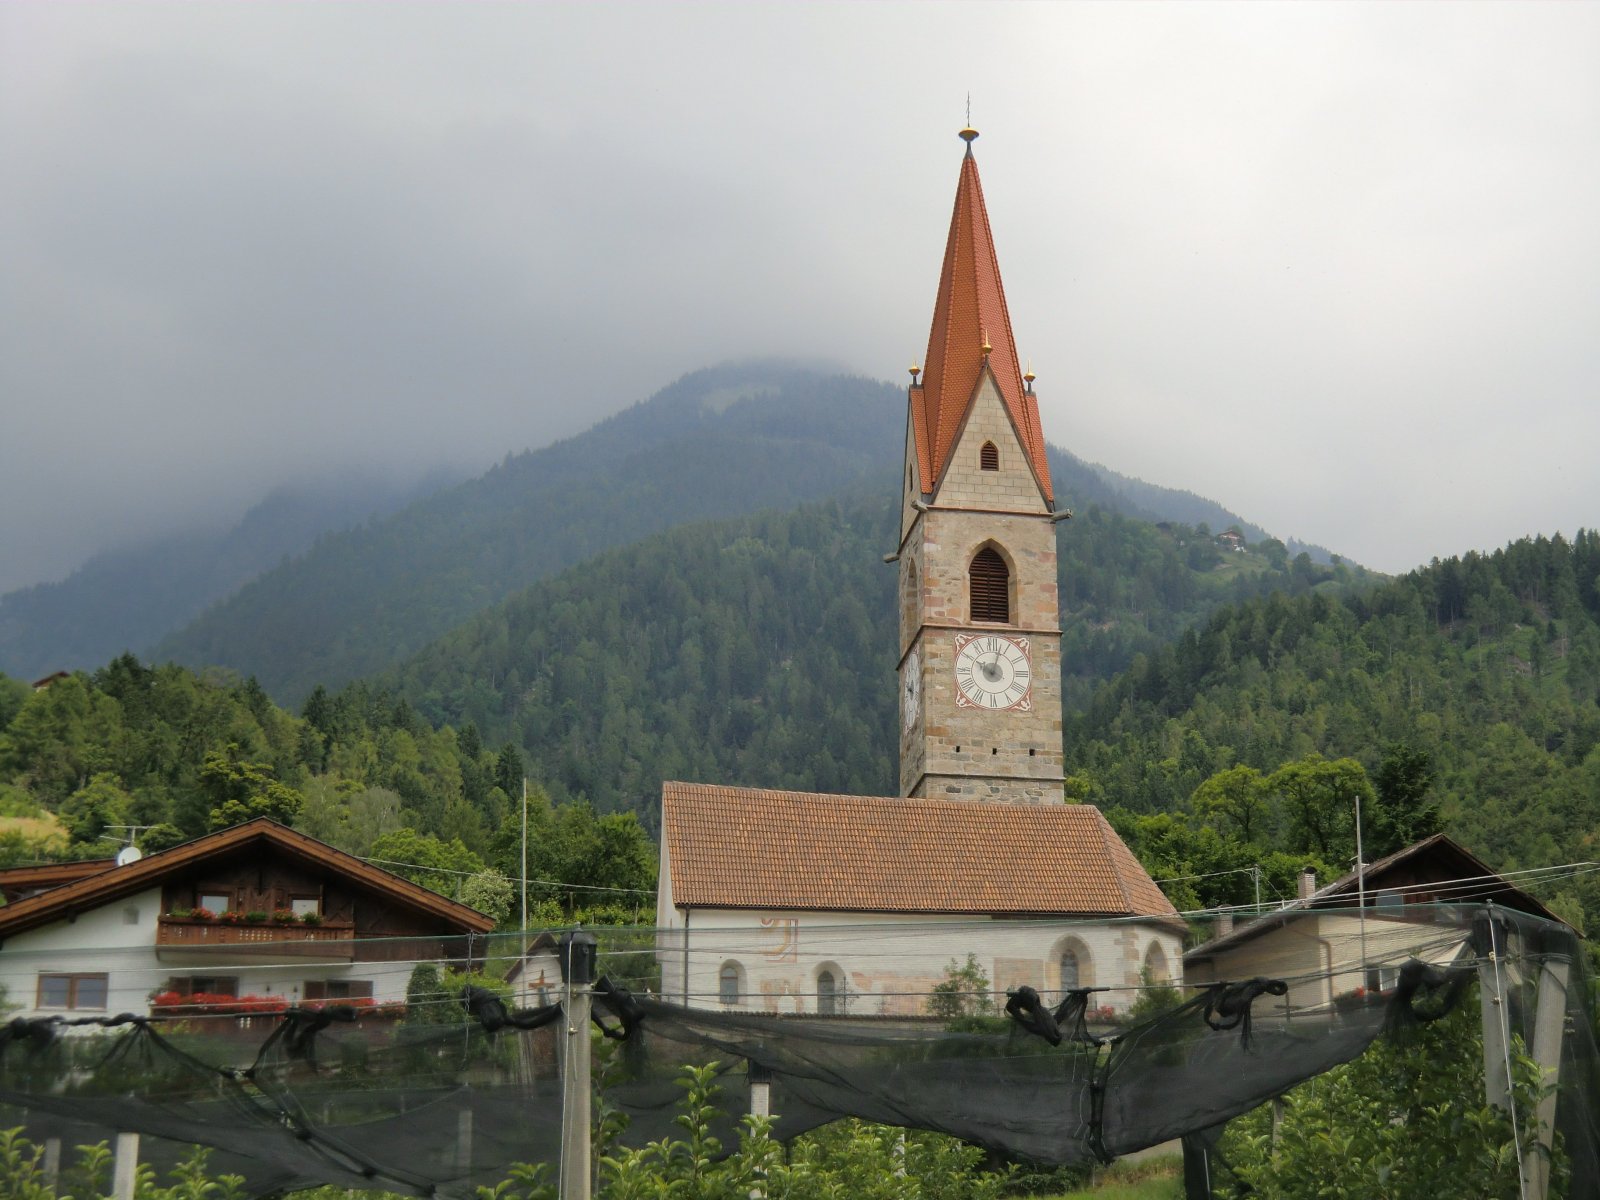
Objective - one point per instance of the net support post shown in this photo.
(1496, 1087)
(464, 1141)
(52, 1164)
(125, 1172)
(760, 1090)
(1549, 1028)
(578, 951)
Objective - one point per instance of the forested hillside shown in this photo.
(722, 442)
(125, 599)
(762, 651)
(1484, 668)
(718, 443)
(180, 754)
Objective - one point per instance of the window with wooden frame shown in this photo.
(305, 905)
(989, 457)
(990, 582)
(337, 989)
(73, 989)
(214, 900)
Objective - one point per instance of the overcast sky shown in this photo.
(1336, 266)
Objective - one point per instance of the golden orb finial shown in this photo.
(915, 371)
(968, 135)
(1028, 377)
(986, 348)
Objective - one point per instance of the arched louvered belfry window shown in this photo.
(989, 457)
(990, 580)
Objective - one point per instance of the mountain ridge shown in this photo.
(719, 442)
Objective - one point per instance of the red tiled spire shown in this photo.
(969, 315)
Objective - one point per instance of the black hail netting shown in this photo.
(445, 1093)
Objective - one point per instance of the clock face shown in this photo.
(993, 672)
(910, 686)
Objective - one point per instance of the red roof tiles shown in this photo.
(969, 311)
(732, 847)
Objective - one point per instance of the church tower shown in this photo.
(980, 625)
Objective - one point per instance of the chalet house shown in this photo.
(795, 902)
(256, 910)
(1328, 947)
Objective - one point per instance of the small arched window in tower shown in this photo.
(989, 457)
(991, 586)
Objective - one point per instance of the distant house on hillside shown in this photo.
(1231, 539)
(795, 902)
(256, 910)
(39, 685)
(1317, 942)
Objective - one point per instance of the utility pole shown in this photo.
(524, 853)
(578, 953)
(1361, 891)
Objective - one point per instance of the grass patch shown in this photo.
(1143, 1179)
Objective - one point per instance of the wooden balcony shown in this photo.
(181, 937)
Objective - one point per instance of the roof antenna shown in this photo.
(130, 852)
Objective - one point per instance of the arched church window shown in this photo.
(989, 457)
(991, 586)
(1155, 964)
(728, 983)
(1069, 969)
(827, 993)
(1073, 965)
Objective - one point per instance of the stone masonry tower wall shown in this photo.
(980, 622)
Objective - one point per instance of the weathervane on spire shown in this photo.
(968, 133)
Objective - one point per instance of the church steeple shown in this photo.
(980, 625)
(971, 334)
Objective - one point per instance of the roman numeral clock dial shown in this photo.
(994, 672)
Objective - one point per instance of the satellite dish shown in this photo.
(129, 854)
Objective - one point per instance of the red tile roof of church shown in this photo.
(970, 311)
(731, 847)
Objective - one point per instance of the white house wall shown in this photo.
(887, 964)
(104, 940)
(1325, 954)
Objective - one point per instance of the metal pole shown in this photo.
(577, 972)
(524, 858)
(1361, 891)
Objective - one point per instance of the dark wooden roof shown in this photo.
(94, 890)
(19, 882)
